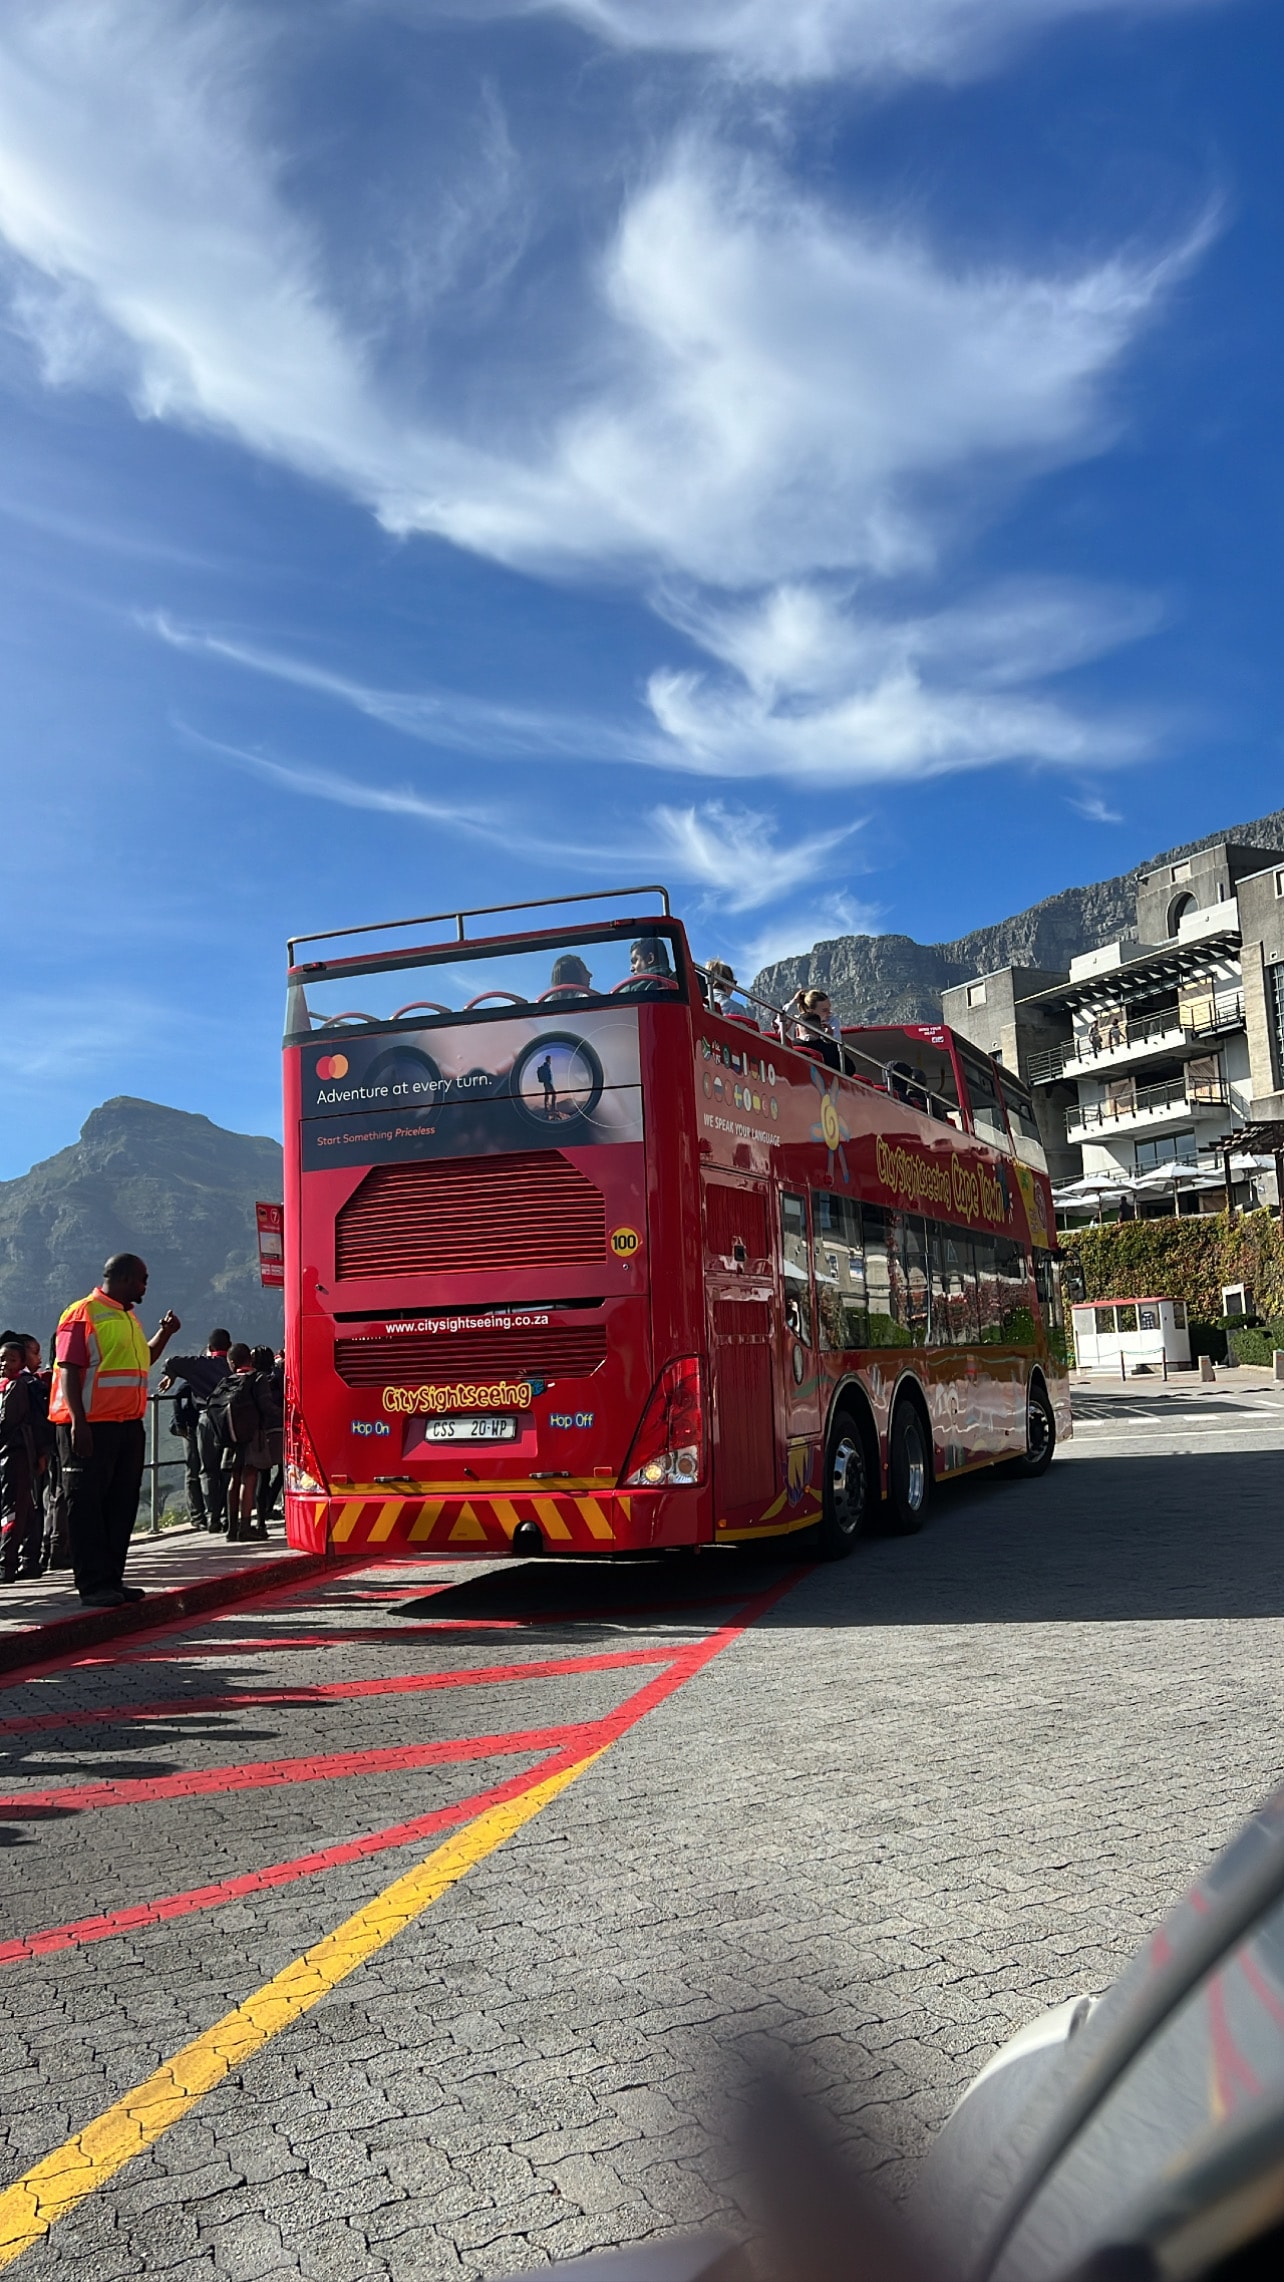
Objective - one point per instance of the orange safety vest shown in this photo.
(115, 1384)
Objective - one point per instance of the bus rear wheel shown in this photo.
(1040, 1436)
(909, 1471)
(846, 1491)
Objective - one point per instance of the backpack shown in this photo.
(185, 1417)
(234, 1410)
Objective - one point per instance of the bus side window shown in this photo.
(954, 1315)
(1017, 1327)
(907, 1258)
(839, 1255)
(1047, 1280)
(988, 1290)
(987, 1107)
(879, 1227)
(797, 1270)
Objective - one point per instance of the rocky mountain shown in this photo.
(175, 1188)
(891, 978)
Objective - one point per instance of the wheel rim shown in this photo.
(914, 1464)
(1038, 1428)
(847, 1484)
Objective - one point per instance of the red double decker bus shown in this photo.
(586, 1255)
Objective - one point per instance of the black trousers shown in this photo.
(211, 1450)
(21, 1529)
(195, 1486)
(102, 1500)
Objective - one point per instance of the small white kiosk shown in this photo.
(1119, 1334)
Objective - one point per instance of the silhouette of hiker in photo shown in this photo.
(545, 1075)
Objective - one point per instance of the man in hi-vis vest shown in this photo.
(99, 1404)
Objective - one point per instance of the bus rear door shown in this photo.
(798, 1383)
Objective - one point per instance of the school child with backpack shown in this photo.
(21, 1526)
(270, 1476)
(243, 1413)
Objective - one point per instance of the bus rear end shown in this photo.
(479, 1355)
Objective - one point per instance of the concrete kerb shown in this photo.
(63, 1636)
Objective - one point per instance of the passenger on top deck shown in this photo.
(813, 1026)
(719, 984)
(650, 975)
(570, 977)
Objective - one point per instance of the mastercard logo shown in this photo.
(332, 1066)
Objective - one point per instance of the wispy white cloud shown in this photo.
(814, 690)
(344, 791)
(735, 855)
(735, 852)
(439, 717)
(798, 40)
(1091, 805)
(795, 932)
(768, 405)
(820, 689)
(759, 385)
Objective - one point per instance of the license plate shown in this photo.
(471, 1430)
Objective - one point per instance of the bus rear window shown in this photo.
(558, 975)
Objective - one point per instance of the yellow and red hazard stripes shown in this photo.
(464, 1519)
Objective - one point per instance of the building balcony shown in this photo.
(1137, 1109)
(1131, 1040)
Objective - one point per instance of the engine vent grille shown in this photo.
(559, 1352)
(533, 1209)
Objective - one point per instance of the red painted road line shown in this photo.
(335, 1636)
(137, 1914)
(309, 1693)
(602, 1732)
(70, 1658)
(267, 1774)
(431, 1628)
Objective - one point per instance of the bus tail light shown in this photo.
(303, 1472)
(669, 1446)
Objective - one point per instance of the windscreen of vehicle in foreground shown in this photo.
(559, 975)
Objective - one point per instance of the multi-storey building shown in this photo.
(1154, 1050)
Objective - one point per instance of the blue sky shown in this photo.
(824, 456)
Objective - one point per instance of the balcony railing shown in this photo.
(1212, 1017)
(1146, 1101)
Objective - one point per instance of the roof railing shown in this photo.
(480, 911)
(782, 1022)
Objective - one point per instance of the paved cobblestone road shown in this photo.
(870, 1817)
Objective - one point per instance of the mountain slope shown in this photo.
(892, 978)
(176, 1188)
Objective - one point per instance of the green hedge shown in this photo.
(1188, 1259)
(1257, 1346)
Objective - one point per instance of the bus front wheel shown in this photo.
(909, 1471)
(846, 1491)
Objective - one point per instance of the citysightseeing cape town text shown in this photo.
(920, 1179)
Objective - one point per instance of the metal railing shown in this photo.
(154, 1465)
(1142, 1101)
(1077, 1055)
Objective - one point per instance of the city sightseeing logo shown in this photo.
(332, 1066)
(436, 1402)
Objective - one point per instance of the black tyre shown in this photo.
(1040, 1436)
(909, 1471)
(846, 1491)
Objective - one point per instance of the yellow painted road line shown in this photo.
(30, 2208)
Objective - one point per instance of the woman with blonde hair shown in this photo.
(813, 1026)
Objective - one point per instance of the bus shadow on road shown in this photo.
(1117, 1540)
(1121, 1539)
